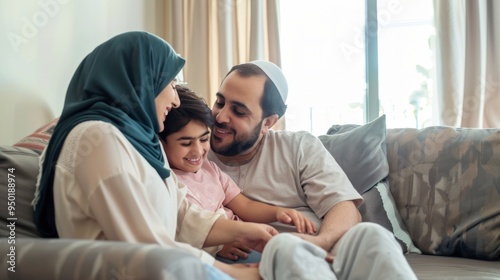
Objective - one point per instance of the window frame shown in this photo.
(372, 104)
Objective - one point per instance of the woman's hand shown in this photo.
(290, 216)
(254, 235)
(234, 251)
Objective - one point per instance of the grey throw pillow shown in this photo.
(379, 207)
(360, 151)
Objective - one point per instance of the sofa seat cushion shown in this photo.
(428, 267)
(24, 167)
(446, 184)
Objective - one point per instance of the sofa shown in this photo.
(437, 189)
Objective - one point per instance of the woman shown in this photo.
(103, 173)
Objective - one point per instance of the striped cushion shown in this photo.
(37, 141)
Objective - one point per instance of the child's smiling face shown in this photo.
(187, 148)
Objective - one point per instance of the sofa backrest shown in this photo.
(18, 174)
(23, 158)
(446, 184)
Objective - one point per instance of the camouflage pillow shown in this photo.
(446, 183)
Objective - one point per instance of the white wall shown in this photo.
(43, 41)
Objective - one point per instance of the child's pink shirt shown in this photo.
(210, 188)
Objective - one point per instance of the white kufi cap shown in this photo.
(276, 75)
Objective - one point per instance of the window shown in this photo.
(324, 58)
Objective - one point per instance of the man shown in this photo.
(293, 169)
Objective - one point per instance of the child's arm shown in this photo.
(258, 212)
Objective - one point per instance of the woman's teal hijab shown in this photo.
(116, 83)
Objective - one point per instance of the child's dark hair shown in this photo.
(192, 107)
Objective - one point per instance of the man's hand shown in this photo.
(290, 216)
(234, 251)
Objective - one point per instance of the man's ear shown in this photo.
(269, 122)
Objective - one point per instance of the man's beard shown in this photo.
(239, 145)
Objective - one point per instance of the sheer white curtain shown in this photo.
(214, 35)
(468, 62)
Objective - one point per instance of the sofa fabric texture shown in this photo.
(446, 184)
(25, 164)
(432, 267)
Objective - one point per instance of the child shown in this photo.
(186, 141)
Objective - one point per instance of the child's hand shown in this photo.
(234, 251)
(290, 216)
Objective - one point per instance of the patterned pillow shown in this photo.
(446, 184)
(379, 207)
(37, 141)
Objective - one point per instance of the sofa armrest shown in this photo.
(36, 258)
